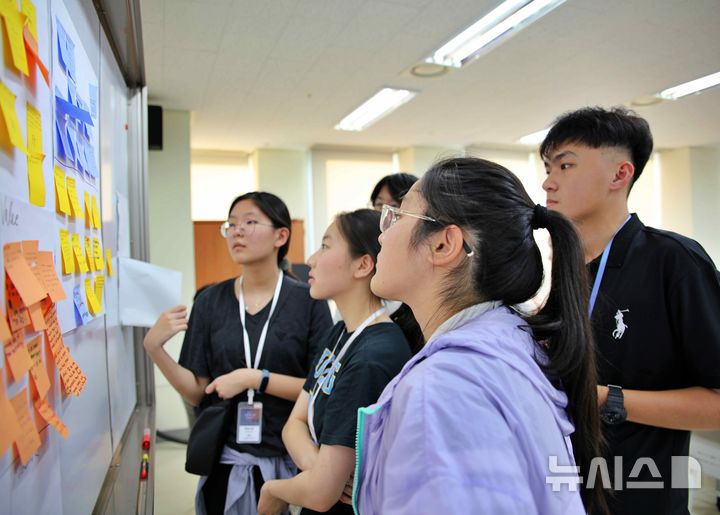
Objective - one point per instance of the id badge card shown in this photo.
(249, 423)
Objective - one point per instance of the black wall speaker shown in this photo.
(155, 128)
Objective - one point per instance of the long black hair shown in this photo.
(275, 209)
(361, 229)
(489, 202)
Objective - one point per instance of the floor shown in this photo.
(175, 488)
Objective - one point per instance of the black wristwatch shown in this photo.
(613, 411)
(263, 381)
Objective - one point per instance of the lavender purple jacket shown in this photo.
(468, 426)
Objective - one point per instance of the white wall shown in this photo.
(217, 178)
(171, 239)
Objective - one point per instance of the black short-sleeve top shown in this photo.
(656, 325)
(213, 346)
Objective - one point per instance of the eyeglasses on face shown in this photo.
(246, 227)
(390, 215)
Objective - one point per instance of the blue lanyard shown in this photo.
(601, 269)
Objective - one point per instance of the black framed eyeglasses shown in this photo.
(391, 214)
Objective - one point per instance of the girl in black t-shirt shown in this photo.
(362, 354)
(256, 333)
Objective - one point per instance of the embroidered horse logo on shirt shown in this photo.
(620, 325)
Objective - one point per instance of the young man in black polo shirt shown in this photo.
(655, 310)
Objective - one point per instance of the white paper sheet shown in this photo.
(146, 291)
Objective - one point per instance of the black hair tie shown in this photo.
(540, 217)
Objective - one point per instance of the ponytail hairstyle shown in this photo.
(276, 210)
(490, 204)
(361, 229)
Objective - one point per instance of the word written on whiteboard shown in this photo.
(9, 216)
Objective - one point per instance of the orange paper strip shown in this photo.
(52, 333)
(5, 333)
(38, 372)
(10, 428)
(36, 317)
(49, 277)
(29, 440)
(51, 417)
(31, 48)
(17, 355)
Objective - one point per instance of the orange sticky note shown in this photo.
(17, 312)
(96, 222)
(33, 52)
(88, 209)
(92, 301)
(14, 23)
(51, 417)
(23, 278)
(46, 271)
(89, 253)
(99, 285)
(52, 333)
(69, 372)
(10, 428)
(5, 333)
(29, 440)
(30, 250)
(108, 261)
(7, 105)
(66, 249)
(17, 355)
(36, 317)
(72, 195)
(80, 260)
(38, 372)
(98, 255)
(62, 205)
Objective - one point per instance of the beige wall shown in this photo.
(171, 238)
(416, 160)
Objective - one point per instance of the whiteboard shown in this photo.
(66, 475)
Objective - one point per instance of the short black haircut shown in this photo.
(597, 127)
(397, 184)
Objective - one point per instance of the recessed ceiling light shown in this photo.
(428, 70)
(688, 88)
(535, 138)
(502, 22)
(380, 104)
(646, 100)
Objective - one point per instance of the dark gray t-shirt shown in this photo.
(213, 346)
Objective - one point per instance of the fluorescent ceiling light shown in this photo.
(688, 88)
(508, 18)
(382, 103)
(535, 138)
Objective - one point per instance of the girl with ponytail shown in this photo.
(362, 354)
(496, 403)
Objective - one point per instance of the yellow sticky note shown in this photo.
(36, 182)
(96, 223)
(88, 207)
(7, 104)
(67, 252)
(72, 195)
(61, 199)
(34, 130)
(92, 302)
(28, 9)
(14, 23)
(89, 253)
(79, 255)
(99, 284)
(97, 253)
(108, 262)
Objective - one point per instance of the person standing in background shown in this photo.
(655, 306)
(391, 189)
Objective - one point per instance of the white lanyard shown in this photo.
(601, 270)
(329, 369)
(263, 334)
